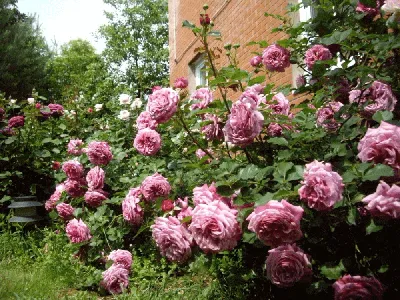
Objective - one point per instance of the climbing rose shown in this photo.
(315, 53)
(322, 187)
(56, 110)
(16, 121)
(276, 58)
(95, 178)
(326, 115)
(256, 61)
(212, 131)
(144, 120)
(73, 169)
(54, 198)
(75, 188)
(56, 165)
(162, 104)
(131, 209)
(99, 153)
(181, 83)
(379, 96)
(287, 265)
(115, 279)
(77, 231)
(121, 258)
(252, 95)
(124, 99)
(172, 238)
(202, 98)
(75, 147)
(95, 198)
(385, 202)
(358, 287)
(147, 142)
(255, 88)
(65, 210)
(276, 223)
(155, 186)
(214, 227)
(206, 194)
(381, 145)
(244, 124)
(124, 115)
(279, 104)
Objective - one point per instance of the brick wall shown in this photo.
(240, 21)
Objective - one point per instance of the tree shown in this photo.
(137, 42)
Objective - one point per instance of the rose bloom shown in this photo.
(172, 238)
(99, 153)
(131, 209)
(276, 58)
(31, 100)
(202, 98)
(155, 186)
(381, 145)
(115, 279)
(75, 188)
(206, 194)
(391, 6)
(98, 107)
(65, 210)
(56, 110)
(155, 88)
(181, 83)
(124, 99)
(321, 187)
(315, 53)
(16, 121)
(2, 113)
(162, 104)
(200, 154)
(252, 95)
(371, 11)
(95, 198)
(212, 131)
(379, 96)
(137, 103)
(56, 165)
(167, 205)
(95, 178)
(124, 115)
(77, 231)
(144, 120)
(255, 61)
(385, 202)
(287, 265)
(256, 88)
(326, 115)
(73, 169)
(8, 131)
(274, 129)
(279, 104)
(75, 147)
(276, 223)
(300, 81)
(121, 258)
(147, 142)
(244, 124)
(358, 287)
(54, 198)
(183, 209)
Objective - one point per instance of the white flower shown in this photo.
(124, 115)
(137, 103)
(124, 99)
(72, 112)
(13, 101)
(31, 100)
(391, 6)
(98, 106)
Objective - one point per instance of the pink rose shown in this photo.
(121, 258)
(155, 186)
(202, 98)
(255, 61)
(75, 147)
(276, 58)
(315, 53)
(95, 198)
(65, 210)
(274, 129)
(212, 131)
(385, 202)
(326, 115)
(322, 187)
(276, 223)
(73, 169)
(181, 83)
(200, 154)
(99, 153)
(357, 287)
(370, 11)
(172, 238)
(300, 81)
(279, 104)
(214, 227)
(167, 205)
(379, 95)
(162, 104)
(244, 124)
(391, 6)
(256, 88)
(115, 279)
(252, 95)
(206, 194)
(77, 231)
(147, 142)
(95, 178)
(55, 197)
(144, 120)
(75, 188)
(16, 121)
(56, 110)
(185, 210)
(287, 265)
(131, 209)
(381, 145)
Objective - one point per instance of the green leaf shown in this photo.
(372, 227)
(62, 126)
(249, 237)
(278, 141)
(296, 174)
(214, 33)
(188, 24)
(283, 167)
(383, 269)
(377, 172)
(264, 199)
(333, 273)
(10, 140)
(352, 216)
(380, 116)
(256, 80)
(249, 172)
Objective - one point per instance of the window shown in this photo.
(197, 73)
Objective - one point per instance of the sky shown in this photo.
(65, 20)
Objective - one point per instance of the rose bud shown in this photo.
(167, 205)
